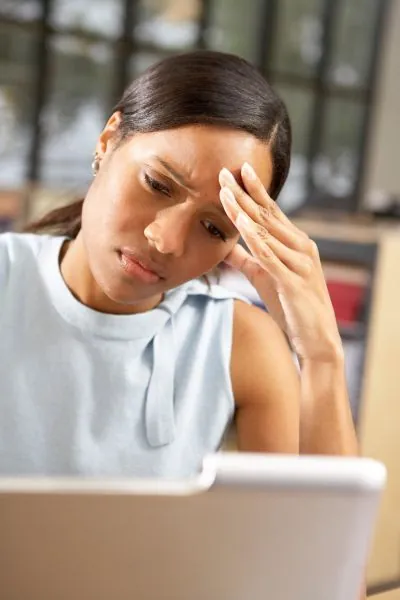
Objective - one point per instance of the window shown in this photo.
(103, 17)
(297, 38)
(65, 62)
(21, 10)
(299, 102)
(235, 30)
(169, 24)
(321, 59)
(17, 66)
(76, 109)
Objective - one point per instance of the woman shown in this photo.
(117, 356)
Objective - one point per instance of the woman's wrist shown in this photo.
(326, 420)
(332, 359)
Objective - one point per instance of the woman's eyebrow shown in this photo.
(181, 180)
(177, 176)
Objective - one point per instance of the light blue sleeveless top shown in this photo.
(87, 393)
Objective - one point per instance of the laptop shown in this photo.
(248, 527)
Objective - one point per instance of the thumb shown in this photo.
(244, 262)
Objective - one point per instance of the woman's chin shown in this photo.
(126, 299)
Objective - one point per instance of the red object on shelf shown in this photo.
(347, 299)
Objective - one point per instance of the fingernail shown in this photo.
(249, 171)
(242, 220)
(226, 175)
(227, 196)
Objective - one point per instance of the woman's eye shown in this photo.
(156, 185)
(214, 231)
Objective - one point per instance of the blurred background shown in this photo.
(64, 63)
(336, 63)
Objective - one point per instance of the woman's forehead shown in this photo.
(197, 150)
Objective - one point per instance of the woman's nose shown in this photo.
(169, 232)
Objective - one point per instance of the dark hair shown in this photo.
(197, 88)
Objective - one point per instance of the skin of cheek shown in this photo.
(106, 226)
(203, 257)
(201, 253)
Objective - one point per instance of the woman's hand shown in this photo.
(284, 267)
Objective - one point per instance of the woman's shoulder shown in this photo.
(19, 251)
(12, 244)
(253, 328)
(260, 352)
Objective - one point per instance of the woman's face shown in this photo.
(152, 218)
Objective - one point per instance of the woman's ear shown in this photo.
(107, 136)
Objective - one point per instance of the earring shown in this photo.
(96, 164)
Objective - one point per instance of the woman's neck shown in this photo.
(78, 277)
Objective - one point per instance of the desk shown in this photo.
(395, 595)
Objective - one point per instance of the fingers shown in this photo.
(244, 262)
(267, 249)
(255, 188)
(256, 202)
(263, 245)
(245, 227)
(240, 258)
(273, 226)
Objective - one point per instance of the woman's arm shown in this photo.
(269, 392)
(326, 423)
(278, 409)
(284, 266)
(265, 383)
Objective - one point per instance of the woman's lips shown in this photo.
(136, 268)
